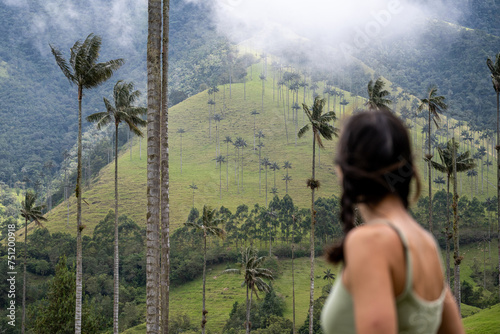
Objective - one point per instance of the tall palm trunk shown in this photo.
(24, 274)
(313, 222)
(204, 312)
(430, 178)
(447, 232)
(247, 325)
(116, 274)
(78, 301)
(153, 166)
(456, 254)
(165, 179)
(293, 289)
(498, 183)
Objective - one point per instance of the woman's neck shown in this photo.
(390, 208)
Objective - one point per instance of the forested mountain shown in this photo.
(38, 107)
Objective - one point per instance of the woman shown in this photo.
(392, 279)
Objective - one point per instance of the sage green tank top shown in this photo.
(415, 315)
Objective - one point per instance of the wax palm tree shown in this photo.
(220, 160)
(377, 96)
(495, 79)
(287, 165)
(487, 163)
(471, 174)
(329, 276)
(31, 213)
(439, 180)
(263, 78)
(434, 104)
(207, 224)
(181, 131)
(217, 118)
(274, 167)
(254, 113)
(463, 163)
(254, 276)
(321, 128)
(266, 163)
(85, 72)
(193, 187)
(226, 141)
(123, 110)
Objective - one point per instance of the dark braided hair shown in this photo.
(375, 158)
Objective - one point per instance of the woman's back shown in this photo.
(416, 279)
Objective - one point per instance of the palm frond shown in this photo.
(303, 130)
(63, 64)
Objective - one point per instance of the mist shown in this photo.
(339, 28)
(63, 22)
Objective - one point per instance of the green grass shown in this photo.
(486, 321)
(199, 165)
(223, 290)
(468, 310)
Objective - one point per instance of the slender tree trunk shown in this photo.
(165, 179)
(79, 227)
(498, 183)
(153, 166)
(430, 178)
(447, 233)
(247, 325)
(266, 185)
(313, 223)
(181, 153)
(116, 266)
(260, 168)
(24, 274)
(293, 290)
(204, 312)
(456, 237)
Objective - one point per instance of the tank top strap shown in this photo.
(409, 270)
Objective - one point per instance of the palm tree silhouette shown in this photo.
(377, 96)
(253, 277)
(85, 72)
(207, 224)
(321, 128)
(227, 140)
(495, 79)
(434, 104)
(30, 213)
(181, 131)
(451, 160)
(220, 160)
(274, 167)
(193, 187)
(265, 162)
(287, 165)
(254, 113)
(123, 110)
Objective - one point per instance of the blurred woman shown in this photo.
(392, 279)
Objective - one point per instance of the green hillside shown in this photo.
(484, 322)
(224, 290)
(199, 151)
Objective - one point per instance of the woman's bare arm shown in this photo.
(451, 321)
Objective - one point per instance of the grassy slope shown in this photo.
(485, 322)
(224, 290)
(199, 165)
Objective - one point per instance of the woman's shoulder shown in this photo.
(371, 240)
